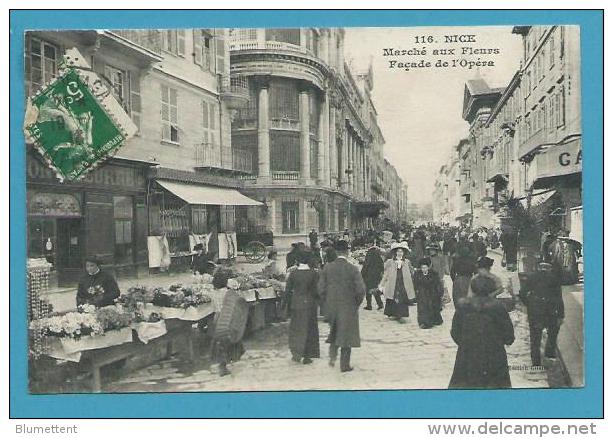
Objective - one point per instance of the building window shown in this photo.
(284, 151)
(550, 113)
(246, 118)
(243, 34)
(170, 115)
(40, 64)
(290, 211)
(123, 214)
(173, 41)
(560, 107)
(284, 105)
(118, 79)
(290, 36)
(204, 56)
(552, 49)
(314, 151)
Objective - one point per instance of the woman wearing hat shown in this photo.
(484, 266)
(429, 291)
(96, 287)
(397, 283)
(302, 291)
(481, 328)
(463, 267)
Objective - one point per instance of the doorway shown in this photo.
(68, 250)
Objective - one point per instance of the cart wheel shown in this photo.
(255, 251)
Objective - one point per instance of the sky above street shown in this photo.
(419, 110)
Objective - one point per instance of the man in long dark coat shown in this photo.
(343, 290)
(542, 295)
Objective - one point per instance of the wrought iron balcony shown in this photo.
(208, 155)
(285, 175)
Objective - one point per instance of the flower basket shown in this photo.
(146, 331)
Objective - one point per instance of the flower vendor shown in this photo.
(96, 287)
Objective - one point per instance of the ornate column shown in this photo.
(345, 161)
(305, 140)
(331, 107)
(322, 143)
(332, 48)
(323, 45)
(262, 83)
(352, 163)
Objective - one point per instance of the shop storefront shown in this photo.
(183, 214)
(104, 214)
(560, 168)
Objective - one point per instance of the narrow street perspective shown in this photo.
(262, 209)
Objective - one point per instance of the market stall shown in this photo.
(144, 326)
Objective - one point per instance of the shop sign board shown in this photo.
(558, 160)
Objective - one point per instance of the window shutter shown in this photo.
(220, 49)
(135, 102)
(212, 115)
(181, 42)
(197, 46)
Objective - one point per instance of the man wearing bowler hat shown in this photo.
(542, 295)
(96, 287)
(342, 288)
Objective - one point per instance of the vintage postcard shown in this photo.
(302, 209)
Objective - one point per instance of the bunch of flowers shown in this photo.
(179, 296)
(113, 318)
(246, 282)
(72, 325)
(135, 297)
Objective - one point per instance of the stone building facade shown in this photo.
(312, 131)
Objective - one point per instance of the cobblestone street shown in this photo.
(392, 356)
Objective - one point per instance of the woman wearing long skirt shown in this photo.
(372, 273)
(463, 266)
(481, 327)
(397, 283)
(429, 291)
(301, 289)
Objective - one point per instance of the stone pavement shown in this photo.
(392, 356)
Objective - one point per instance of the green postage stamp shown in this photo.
(72, 130)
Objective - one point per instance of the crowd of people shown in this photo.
(411, 267)
(416, 267)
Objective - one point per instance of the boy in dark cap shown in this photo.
(542, 295)
(96, 287)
